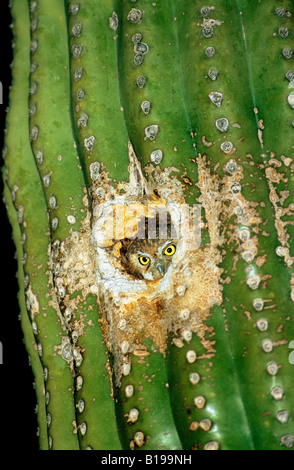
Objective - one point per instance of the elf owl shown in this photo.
(149, 258)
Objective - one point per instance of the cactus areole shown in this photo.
(148, 177)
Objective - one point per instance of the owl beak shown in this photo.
(160, 268)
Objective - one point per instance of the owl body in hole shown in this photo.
(148, 259)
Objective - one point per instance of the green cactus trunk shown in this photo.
(155, 101)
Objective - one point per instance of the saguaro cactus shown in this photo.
(125, 104)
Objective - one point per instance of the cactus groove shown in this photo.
(140, 101)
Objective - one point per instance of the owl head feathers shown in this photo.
(150, 256)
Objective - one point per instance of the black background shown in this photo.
(17, 396)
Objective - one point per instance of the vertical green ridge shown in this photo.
(162, 88)
(26, 325)
(153, 427)
(54, 150)
(95, 89)
(21, 176)
(94, 399)
(239, 330)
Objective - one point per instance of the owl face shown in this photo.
(150, 258)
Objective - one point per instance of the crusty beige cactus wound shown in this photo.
(134, 310)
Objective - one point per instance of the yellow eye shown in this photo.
(144, 260)
(170, 250)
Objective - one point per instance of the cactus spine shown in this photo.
(206, 91)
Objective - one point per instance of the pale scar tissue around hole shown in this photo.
(149, 279)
